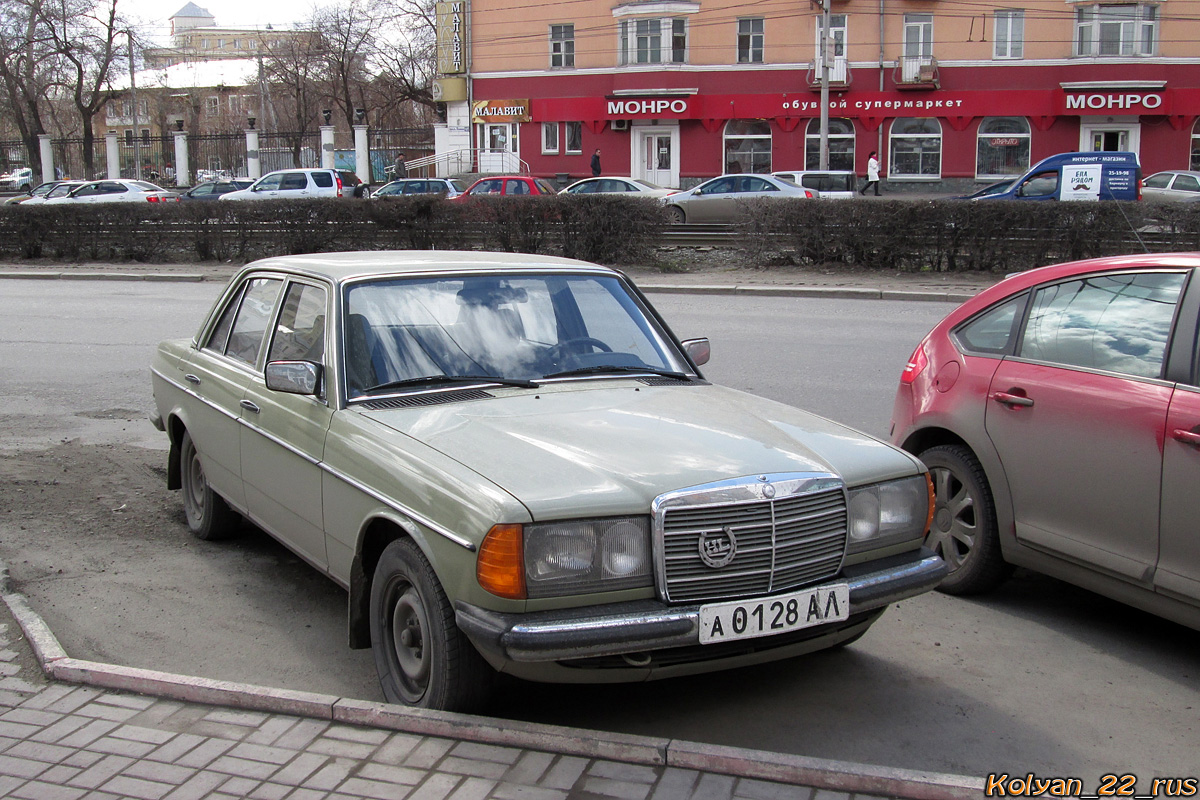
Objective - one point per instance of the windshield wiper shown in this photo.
(609, 369)
(433, 380)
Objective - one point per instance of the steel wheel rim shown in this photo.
(955, 527)
(409, 627)
(193, 492)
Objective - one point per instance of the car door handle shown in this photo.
(1012, 400)
(1187, 437)
(192, 379)
(246, 404)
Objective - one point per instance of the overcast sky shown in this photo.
(155, 14)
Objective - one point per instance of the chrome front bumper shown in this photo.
(643, 625)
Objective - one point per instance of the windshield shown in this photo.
(510, 327)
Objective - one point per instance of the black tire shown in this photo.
(964, 530)
(678, 216)
(208, 515)
(422, 658)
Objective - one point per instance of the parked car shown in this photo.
(297, 184)
(46, 191)
(723, 199)
(19, 180)
(448, 187)
(1172, 185)
(508, 186)
(212, 190)
(114, 191)
(1059, 414)
(630, 186)
(1095, 175)
(512, 464)
(998, 187)
(829, 184)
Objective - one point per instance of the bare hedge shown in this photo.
(602, 228)
(940, 236)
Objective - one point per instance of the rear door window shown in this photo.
(293, 181)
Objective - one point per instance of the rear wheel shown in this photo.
(422, 658)
(964, 530)
(208, 515)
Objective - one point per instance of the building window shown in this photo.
(916, 148)
(1195, 161)
(204, 44)
(1009, 34)
(918, 36)
(145, 136)
(841, 144)
(574, 137)
(750, 40)
(837, 40)
(549, 137)
(1002, 149)
(562, 46)
(642, 41)
(748, 146)
(129, 137)
(220, 44)
(212, 106)
(1116, 30)
(237, 44)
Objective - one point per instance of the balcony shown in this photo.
(917, 72)
(840, 75)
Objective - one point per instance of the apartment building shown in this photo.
(949, 93)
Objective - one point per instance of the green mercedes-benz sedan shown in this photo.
(512, 465)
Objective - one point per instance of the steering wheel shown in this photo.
(577, 344)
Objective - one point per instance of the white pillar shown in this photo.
(327, 147)
(362, 159)
(47, 157)
(112, 155)
(253, 165)
(182, 178)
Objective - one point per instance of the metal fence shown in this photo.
(289, 151)
(217, 154)
(70, 158)
(13, 155)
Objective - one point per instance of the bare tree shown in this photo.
(346, 42)
(27, 70)
(291, 73)
(83, 35)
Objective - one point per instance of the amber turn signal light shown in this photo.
(500, 567)
(932, 502)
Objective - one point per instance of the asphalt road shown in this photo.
(1039, 677)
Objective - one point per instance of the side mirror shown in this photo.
(698, 350)
(293, 377)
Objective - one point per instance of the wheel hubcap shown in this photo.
(955, 526)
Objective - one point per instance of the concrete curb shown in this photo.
(825, 292)
(739, 762)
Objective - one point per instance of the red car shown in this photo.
(1059, 415)
(507, 186)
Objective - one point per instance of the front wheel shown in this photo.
(964, 529)
(208, 515)
(422, 658)
(677, 215)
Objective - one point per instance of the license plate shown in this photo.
(768, 616)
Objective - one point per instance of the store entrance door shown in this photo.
(656, 154)
(498, 148)
(1108, 135)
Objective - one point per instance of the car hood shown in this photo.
(610, 448)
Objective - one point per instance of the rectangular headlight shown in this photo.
(888, 513)
(582, 556)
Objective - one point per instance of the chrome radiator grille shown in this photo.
(796, 536)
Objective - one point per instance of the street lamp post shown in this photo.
(137, 142)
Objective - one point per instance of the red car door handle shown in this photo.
(1187, 437)
(1012, 399)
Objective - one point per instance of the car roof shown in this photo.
(341, 267)
(1194, 173)
(1020, 281)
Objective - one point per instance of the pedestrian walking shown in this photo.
(596, 163)
(872, 175)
